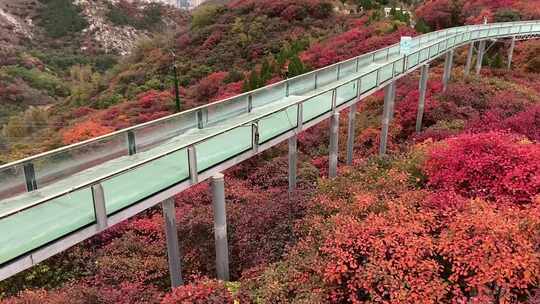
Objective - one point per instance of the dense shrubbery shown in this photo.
(205, 292)
(61, 18)
(492, 166)
(125, 13)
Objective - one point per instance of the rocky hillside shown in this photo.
(102, 26)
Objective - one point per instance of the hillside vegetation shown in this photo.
(451, 215)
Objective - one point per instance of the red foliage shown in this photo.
(83, 131)
(205, 292)
(208, 87)
(406, 109)
(491, 254)
(387, 257)
(287, 9)
(494, 166)
(146, 106)
(356, 41)
(447, 13)
(84, 293)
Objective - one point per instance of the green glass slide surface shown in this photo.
(42, 224)
(227, 131)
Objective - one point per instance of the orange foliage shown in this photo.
(83, 131)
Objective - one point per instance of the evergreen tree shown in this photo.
(296, 67)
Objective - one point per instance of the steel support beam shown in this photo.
(389, 98)
(424, 70)
(511, 53)
(448, 69)
(333, 149)
(480, 56)
(350, 134)
(470, 54)
(220, 227)
(293, 157)
(173, 247)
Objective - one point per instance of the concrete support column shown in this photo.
(511, 53)
(293, 158)
(470, 54)
(334, 135)
(220, 227)
(448, 69)
(480, 56)
(350, 134)
(173, 248)
(389, 98)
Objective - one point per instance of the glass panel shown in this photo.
(484, 33)
(365, 61)
(267, 95)
(155, 134)
(369, 81)
(301, 85)
(147, 179)
(385, 73)
(433, 51)
(536, 27)
(394, 50)
(346, 92)
(222, 147)
(231, 108)
(380, 55)
(398, 65)
(39, 225)
(278, 123)
(424, 54)
(12, 183)
(412, 60)
(316, 106)
(327, 76)
(475, 35)
(66, 164)
(347, 68)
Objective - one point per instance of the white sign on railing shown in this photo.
(406, 45)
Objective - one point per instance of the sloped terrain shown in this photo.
(450, 216)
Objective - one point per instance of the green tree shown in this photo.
(61, 18)
(296, 67)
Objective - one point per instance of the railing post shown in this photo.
(480, 56)
(255, 136)
(468, 65)
(30, 177)
(448, 69)
(511, 53)
(220, 227)
(192, 161)
(350, 134)
(422, 96)
(100, 211)
(387, 115)
(132, 145)
(334, 135)
(292, 162)
(173, 247)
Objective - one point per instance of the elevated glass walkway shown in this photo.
(50, 196)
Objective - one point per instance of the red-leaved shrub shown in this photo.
(493, 166)
(204, 292)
